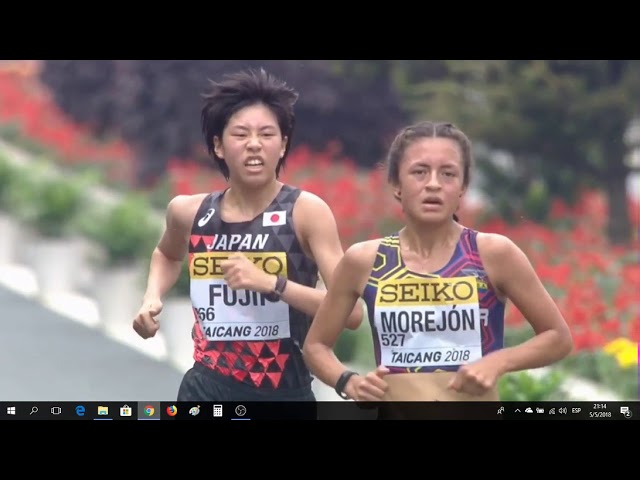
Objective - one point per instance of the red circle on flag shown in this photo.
(275, 217)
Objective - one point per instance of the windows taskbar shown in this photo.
(339, 410)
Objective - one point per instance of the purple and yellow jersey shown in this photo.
(437, 321)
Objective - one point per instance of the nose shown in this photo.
(432, 182)
(253, 142)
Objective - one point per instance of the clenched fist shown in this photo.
(370, 388)
(477, 378)
(241, 273)
(145, 323)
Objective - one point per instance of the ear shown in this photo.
(217, 147)
(397, 193)
(284, 146)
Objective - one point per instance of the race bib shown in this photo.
(227, 314)
(428, 322)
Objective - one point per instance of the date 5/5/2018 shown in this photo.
(599, 414)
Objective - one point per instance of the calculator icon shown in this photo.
(217, 410)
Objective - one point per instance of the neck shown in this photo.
(425, 239)
(251, 200)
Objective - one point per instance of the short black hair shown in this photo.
(238, 90)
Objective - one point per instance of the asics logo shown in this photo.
(203, 221)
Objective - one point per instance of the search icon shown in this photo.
(34, 410)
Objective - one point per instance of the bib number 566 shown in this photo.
(207, 313)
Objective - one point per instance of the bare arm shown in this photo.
(168, 256)
(513, 275)
(350, 275)
(166, 263)
(319, 228)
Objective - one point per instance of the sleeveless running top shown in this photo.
(239, 334)
(437, 321)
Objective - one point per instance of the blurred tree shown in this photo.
(562, 121)
(155, 104)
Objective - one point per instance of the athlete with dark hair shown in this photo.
(255, 251)
(435, 291)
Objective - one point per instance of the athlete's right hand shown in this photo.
(368, 388)
(145, 323)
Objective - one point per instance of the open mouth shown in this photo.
(254, 162)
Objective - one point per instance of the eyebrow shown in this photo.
(422, 163)
(243, 127)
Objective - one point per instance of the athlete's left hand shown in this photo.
(242, 273)
(477, 378)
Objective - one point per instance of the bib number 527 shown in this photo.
(392, 339)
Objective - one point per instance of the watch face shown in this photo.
(342, 382)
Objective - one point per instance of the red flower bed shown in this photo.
(28, 106)
(596, 286)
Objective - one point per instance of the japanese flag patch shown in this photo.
(273, 219)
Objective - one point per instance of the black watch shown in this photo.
(342, 382)
(281, 284)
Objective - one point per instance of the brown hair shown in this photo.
(421, 130)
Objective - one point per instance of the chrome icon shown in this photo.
(149, 410)
(172, 410)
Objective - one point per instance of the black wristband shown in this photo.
(342, 382)
(281, 284)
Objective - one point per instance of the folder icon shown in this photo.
(103, 410)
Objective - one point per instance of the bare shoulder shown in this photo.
(361, 256)
(499, 256)
(492, 245)
(314, 221)
(182, 210)
(310, 203)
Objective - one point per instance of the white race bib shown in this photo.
(428, 322)
(227, 314)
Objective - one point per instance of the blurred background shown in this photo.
(92, 151)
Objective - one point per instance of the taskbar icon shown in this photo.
(149, 410)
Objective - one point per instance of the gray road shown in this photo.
(47, 357)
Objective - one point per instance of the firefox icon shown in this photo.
(172, 410)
